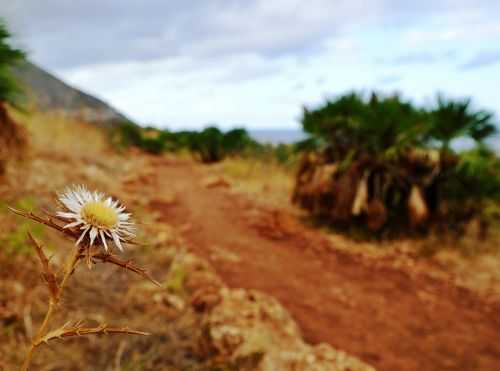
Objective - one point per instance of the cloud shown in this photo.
(252, 61)
(388, 79)
(299, 86)
(416, 58)
(484, 58)
(64, 34)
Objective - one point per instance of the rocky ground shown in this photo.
(247, 285)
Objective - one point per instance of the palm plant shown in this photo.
(376, 125)
(380, 160)
(453, 119)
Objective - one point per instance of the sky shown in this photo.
(257, 63)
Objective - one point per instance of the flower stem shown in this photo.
(70, 266)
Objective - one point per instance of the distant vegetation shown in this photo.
(382, 162)
(209, 145)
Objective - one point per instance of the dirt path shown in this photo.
(393, 318)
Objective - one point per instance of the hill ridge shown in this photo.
(50, 93)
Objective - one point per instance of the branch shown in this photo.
(77, 330)
(128, 265)
(48, 222)
(48, 274)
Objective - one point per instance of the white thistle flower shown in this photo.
(96, 215)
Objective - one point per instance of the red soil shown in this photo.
(395, 318)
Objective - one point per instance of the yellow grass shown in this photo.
(266, 181)
(52, 131)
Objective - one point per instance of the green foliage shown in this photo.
(153, 145)
(453, 119)
(236, 141)
(9, 56)
(374, 125)
(209, 145)
(175, 141)
(380, 124)
(411, 170)
(212, 145)
(476, 176)
(130, 134)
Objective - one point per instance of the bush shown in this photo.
(236, 141)
(153, 145)
(9, 56)
(387, 164)
(210, 145)
(129, 134)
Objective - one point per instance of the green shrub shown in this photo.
(9, 56)
(208, 144)
(236, 141)
(153, 145)
(129, 134)
(383, 161)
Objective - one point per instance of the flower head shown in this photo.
(96, 216)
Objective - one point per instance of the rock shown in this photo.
(249, 330)
(248, 325)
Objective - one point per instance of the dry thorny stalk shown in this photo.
(92, 221)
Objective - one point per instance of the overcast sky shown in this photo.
(186, 63)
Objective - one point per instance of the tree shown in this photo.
(9, 56)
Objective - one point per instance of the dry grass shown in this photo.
(63, 152)
(263, 180)
(52, 131)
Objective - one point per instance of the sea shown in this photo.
(287, 136)
(277, 136)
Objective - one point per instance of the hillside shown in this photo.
(50, 93)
